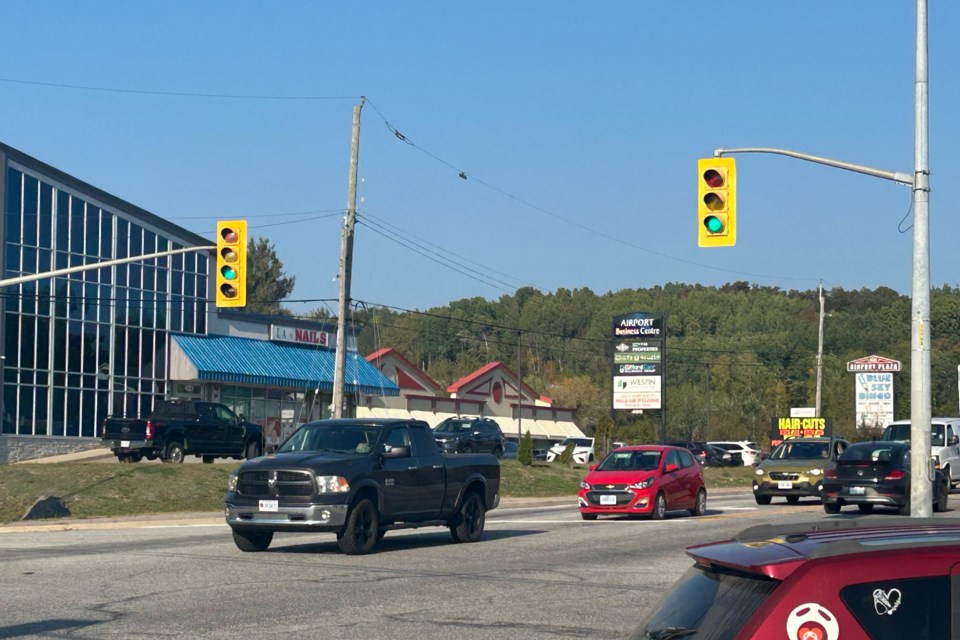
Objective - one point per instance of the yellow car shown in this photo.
(795, 469)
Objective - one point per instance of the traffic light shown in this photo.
(232, 263)
(717, 204)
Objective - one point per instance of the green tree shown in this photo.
(267, 284)
(525, 450)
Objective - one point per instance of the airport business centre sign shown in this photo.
(638, 354)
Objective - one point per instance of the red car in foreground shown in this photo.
(858, 579)
(643, 480)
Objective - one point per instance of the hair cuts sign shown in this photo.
(785, 428)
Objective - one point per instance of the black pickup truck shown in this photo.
(178, 428)
(359, 479)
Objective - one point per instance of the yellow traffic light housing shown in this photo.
(717, 202)
(232, 263)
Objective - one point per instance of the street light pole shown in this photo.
(921, 497)
(820, 352)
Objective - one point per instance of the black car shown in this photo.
(702, 452)
(877, 473)
(469, 435)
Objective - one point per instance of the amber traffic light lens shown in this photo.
(713, 202)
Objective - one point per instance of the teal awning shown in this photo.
(261, 362)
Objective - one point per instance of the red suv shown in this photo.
(643, 480)
(858, 579)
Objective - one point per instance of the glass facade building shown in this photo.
(80, 347)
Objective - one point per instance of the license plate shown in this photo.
(784, 484)
(124, 443)
(608, 499)
(857, 491)
(271, 506)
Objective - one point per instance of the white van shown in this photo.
(944, 443)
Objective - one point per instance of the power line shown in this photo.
(178, 94)
(462, 174)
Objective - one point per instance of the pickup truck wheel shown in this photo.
(361, 531)
(941, 496)
(247, 540)
(467, 525)
(174, 453)
(253, 450)
(208, 459)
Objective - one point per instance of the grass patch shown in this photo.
(97, 489)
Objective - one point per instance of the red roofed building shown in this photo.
(493, 390)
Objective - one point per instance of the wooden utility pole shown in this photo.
(346, 267)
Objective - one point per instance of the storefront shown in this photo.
(78, 348)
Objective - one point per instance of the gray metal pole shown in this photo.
(519, 389)
(820, 352)
(346, 267)
(921, 492)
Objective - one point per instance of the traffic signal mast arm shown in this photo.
(896, 176)
(98, 265)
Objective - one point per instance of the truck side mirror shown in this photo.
(397, 452)
(954, 440)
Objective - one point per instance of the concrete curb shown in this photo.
(211, 518)
(89, 455)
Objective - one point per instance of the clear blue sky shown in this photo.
(578, 124)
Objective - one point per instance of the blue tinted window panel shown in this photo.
(30, 222)
(46, 216)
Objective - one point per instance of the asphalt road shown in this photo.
(539, 572)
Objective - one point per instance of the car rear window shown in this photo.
(713, 604)
(897, 609)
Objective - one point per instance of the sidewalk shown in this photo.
(90, 455)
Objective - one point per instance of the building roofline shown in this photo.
(176, 232)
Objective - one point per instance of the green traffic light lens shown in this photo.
(713, 202)
(229, 273)
(713, 224)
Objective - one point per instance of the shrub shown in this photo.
(525, 450)
(566, 457)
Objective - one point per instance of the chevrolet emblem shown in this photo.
(611, 486)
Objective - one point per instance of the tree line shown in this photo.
(736, 355)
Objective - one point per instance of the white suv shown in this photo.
(944, 443)
(749, 451)
(582, 450)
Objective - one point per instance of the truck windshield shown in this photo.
(901, 432)
(706, 605)
(577, 442)
(341, 438)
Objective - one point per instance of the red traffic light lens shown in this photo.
(713, 178)
(228, 235)
(228, 290)
(713, 202)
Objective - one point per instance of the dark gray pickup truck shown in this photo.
(359, 479)
(183, 427)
